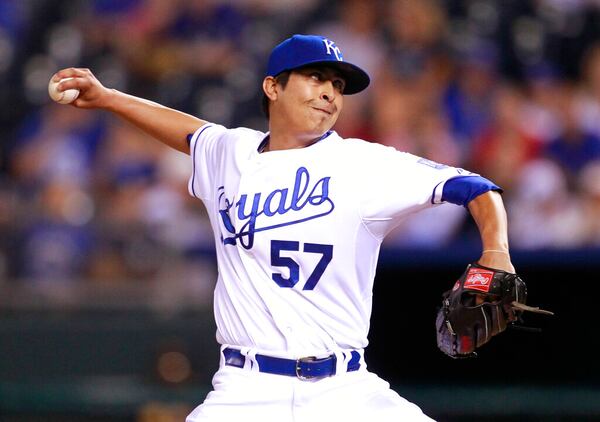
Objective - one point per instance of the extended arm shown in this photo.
(165, 124)
(488, 212)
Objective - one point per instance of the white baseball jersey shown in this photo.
(298, 233)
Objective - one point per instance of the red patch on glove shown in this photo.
(466, 344)
(479, 279)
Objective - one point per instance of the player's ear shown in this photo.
(270, 88)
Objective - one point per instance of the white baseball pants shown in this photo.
(360, 396)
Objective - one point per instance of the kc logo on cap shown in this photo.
(330, 45)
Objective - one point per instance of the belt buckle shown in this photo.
(304, 359)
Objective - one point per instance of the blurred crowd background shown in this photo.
(509, 89)
(106, 262)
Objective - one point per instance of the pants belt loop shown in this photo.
(251, 362)
(342, 358)
(349, 360)
(357, 361)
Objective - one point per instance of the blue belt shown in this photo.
(303, 368)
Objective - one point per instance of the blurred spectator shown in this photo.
(543, 212)
(57, 241)
(468, 98)
(589, 97)
(12, 25)
(126, 170)
(589, 184)
(503, 145)
(575, 146)
(56, 142)
(417, 49)
(434, 139)
(540, 113)
(397, 107)
(405, 120)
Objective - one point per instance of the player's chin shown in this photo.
(324, 123)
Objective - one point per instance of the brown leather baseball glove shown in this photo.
(482, 303)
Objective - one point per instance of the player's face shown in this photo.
(312, 100)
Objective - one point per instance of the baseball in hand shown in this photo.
(64, 97)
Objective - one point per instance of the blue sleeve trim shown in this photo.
(463, 189)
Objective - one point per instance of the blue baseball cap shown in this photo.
(304, 50)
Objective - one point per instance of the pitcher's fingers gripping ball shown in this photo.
(79, 88)
(62, 97)
(482, 303)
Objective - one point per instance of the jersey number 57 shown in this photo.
(277, 246)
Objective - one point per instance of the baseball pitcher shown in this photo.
(299, 215)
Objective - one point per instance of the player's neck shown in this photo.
(285, 139)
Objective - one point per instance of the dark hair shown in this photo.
(282, 79)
